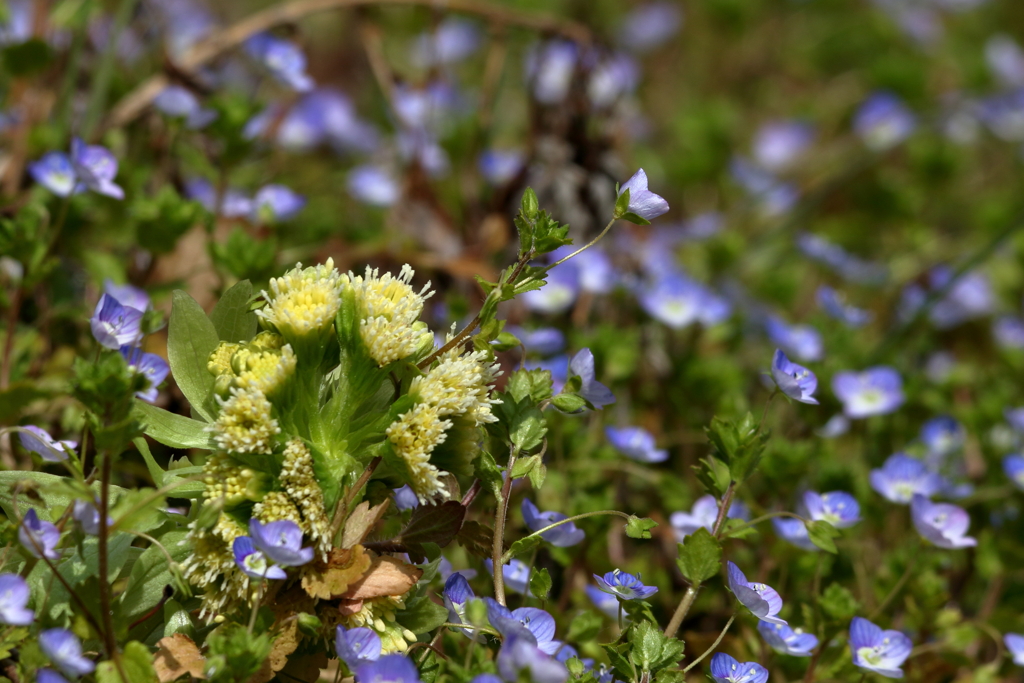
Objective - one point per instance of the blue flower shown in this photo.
(1008, 331)
(356, 646)
(703, 514)
(95, 169)
(151, 366)
(405, 498)
(14, 595)
(388, 669)
(65, 651)
(561, 536)
(678, 301)
(88, 516)
(595, 270)
(54, 172)
(234, 204)
(836, 426)
(612, 78)
(1013, 465)
(444, 568)
(281, 542)
(558, 292)
(794, 380)
(773, 196)
(833, 303)
(786, 640)
(49, 676)
(453, 40)
(1015, 644)
(282, 58)
(550, 69)
(543, 341)
(1005, 59)
(37, 440)
(456, 594)
(838, 508)
(942, 436)
(624, 586)
(943, 524)
(803, 342)
(499, 166)
(114, 325)
(582, 366)
(274, 203)
(607, 603)
(725, 669)
(518, 654)
(373, 185)
(649, 26)
(486, 678)
(875, 391)
(642, 201)
(793, 531)
(969, 297)
(901, 476)
(883, 121)
(127, 295)
(762, 600)
(37, 537)
(516, 574)
(179, 102)
(635, 443)
(253, 562)
(531, 622)
(839, 260)
(780, 143)
(876, 650)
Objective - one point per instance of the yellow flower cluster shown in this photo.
(264, 364)
(224, 478)
(414, 436)
(245, 423)
(377, 614)
(211, 565)
(303, 300)
(299, 482)
(389, 311)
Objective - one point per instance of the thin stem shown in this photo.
(620, 616)
(684, 606)
(498, 544)
(764, 518)
(540, 532)
(105, 71)
(470, 627)
(156, 495)
(713, 645)
(110, 642)
(723, 510)
(343, 506)
(256, 604)
(898, 587)
(586, 246)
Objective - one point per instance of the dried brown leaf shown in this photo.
(361, 522)
(343, 568)
(387, 576)
(178, 655)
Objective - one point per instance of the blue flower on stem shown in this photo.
(88, 516)
(274, 203)
(794, 380)
(642, 201)
(875, 391)
(563, 536)
(405, 498)
(65, 651)
(876, 650)
(525, 621)
(516, 574)
(37, 440)
(624, 586)
(254, 562)
(582, 366)
(635, 443)
(838, 508)
(1015, 644)
(519, 654)
(356, 646)
(127, 295)
(281, 542)
(456, 594)
(703, 514)
(388, 669)
(835, 305)
(762, 600)
(14, 595)
(151, 366)
(95, 169)
(725, 669)
(54, 172)
(902, 476)
(943, 524)
(39, 538)
(282, 58)
(786, 640)
(115, 325)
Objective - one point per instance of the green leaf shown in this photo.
(532, 384)
(48, 493)
(714, 474)
(584, 627)
(487, 470)
(525, 545)
(622, 668)
(646, 640)
(151, 574)
(822, 533)
(422, 615)
(138, 666)
(28, 58)
(739, 445)
(622, 204)
(569, 403)
(540, 583)
(634, 218)
(639, 527)
(700, 556)
(527, 427)
(532, 467)
(191, 338)
(231, 317)
(838, 603)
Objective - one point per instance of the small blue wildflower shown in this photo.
(1015, 644)
(1013, 465)
(942, 435)
(1005, 60)
(642, 201)
(550, 69)
(520, 658)
(543, 341)
(356, 646)
(283, 58)
(635, 443)
(773, 196)
(499, 167)
(65, 651)
(762, 600)
(838, 508)
(793, 531)
(725, 669)
(943, 524)
(88, 517)
(834, 304)
(456, 594)
(373, 185)
(595, 270)
(901, 476)
(678, 301)
(151, 366)
(37, 440)
(836, 426)
(525, 620)
(234, 203)
(421, 147)
(1008, 331)
(405, 498)
(607, 603)
(839, 260)
(274, 203)
(453, 40)
(969, 297)
(445, 569)
(611, 79)
(388, 669)
(703, 514)
(180, 102)
(803, 342)
(795, 381)
(779, 144)
(558, 293)
(1003, 114)
(882, 652)
(54, 172)
(114, 325)
(14, 596)
(127, 295)
(624, 586)
(562, 536)
(281, 542)
(516, 574)
(786, 640)
(883, 121)
(253, 562)
(486, 678)
(875, 391)
(582, 366)
(95, 169)
(650, 26)
(39, 538)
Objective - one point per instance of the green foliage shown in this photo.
(540, 583)
(639, 527)
(739, 445)
(191, 338)
(822, 534)
(161, 220)
(234, 655)
(700, 556)
(136, 662)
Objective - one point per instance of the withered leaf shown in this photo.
(387, 576)
(178, 655)
(344, 567)
(434, 524)
(476, 538)
(361, 522)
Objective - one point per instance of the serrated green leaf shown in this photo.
(524, 546)
(191, 338)
(540, 583)
(645, 641)
(231, 317)
(640, 527)
(700, 556)
(534, 385)
(714, 474)
(570, 403)
(822, 533)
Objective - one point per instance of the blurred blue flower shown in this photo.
(283, 58)
(550, 68)
(838, 508)
(943, 524)
(543, 341)
(561, 536)
(486, 678)
(37, 440)
(281, 542)
(405, 498)
(445, 569)
(703, 514)
(883, 121)
(624, 586)
(636, 443)
(882, 652)
(773, 196)
(357, 646)
(95, 169)
(678, 302)
(786, 640)
(1015, 644)
(234, 204)
(839, 260)
(794, 380)
(875, 391)
(49, 676)
(65, 651)
(803, 342)
(88, 516)
(1008, 331)
(520, 658)
(253, 562)
(836, 426)
(114, 325)
(605, 602)
(778, 144)
(18, 25)
(1004, 115)
(274, 203)
(901, 477)
(393, 668)
(969, 297)
(595, 272)
(1015, 418)
(611, 79)
(725, 669)
(324, 115)
(834, 304)
(54, 172)
(1005, 59)
(762, 600)
(1013, 466)
(642, 201)
(650, 26)
(942, 436)
(151, 366)
(559, 291)
(516, 574)
(793, 531)
(373, 185)
(14, 596)
(582, 366)
(180, 102)
(451, 41)
(39, 538)
(524, 620)
(501, 166)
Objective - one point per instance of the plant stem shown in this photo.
(684, 606)
(498, 544)
(723, 510)
(256, 604)
(911, 565)
(109, 639)
(508, 556)
(764, 518)
(105, 71)
(713, 645)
